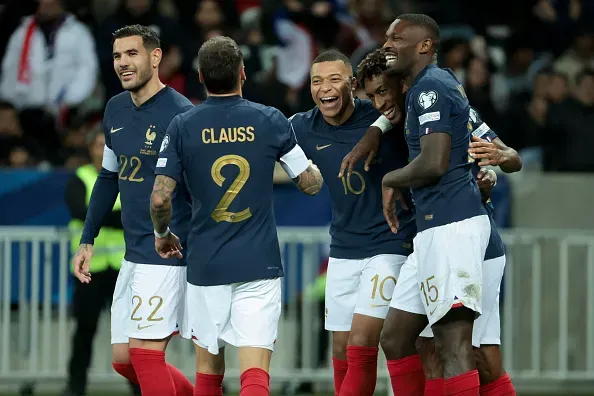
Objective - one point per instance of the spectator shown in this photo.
(478, 88)
(90, 299)
(579, 56)
(568, 134)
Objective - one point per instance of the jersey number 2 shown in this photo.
(220, 213)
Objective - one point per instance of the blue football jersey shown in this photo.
(437, 103)
(359, 229)
(133, 136)
(226, 150)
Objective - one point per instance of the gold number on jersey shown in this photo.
(381, 285)
(135, 164)
(346, 182)
(151, 317)
(220, 213)
(428, 289)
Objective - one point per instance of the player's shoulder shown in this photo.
(365, 112)
(269, 112)
(117, 103)
(305, 117)
(177, 101)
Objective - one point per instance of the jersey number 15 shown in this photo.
(220, 213)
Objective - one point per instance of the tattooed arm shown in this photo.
(309, 181)
(161, 202)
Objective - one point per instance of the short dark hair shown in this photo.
(219, 60)
(150, 39)
(373, 65)
(426, 22)
(333, 55)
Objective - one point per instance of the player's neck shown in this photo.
(149, 90)
(237, 92)
(417, 69)
(340, 119)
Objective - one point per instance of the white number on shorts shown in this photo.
(427, 290)
(151, 317)
(375, 281)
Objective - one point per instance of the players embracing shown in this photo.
(149, 297)
(385, 87)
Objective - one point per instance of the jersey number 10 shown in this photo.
(220, 213)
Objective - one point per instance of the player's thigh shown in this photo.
(208, 315)
(400, 332)
(342, 289)
(157, 294)
(120, 353)
(450, 260)
(207, 363)
(255, 312)
(378, 280)
(120, 306)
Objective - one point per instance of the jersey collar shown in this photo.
(223, 99)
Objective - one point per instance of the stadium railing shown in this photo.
(547, 312)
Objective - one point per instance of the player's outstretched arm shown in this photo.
(431, 164)
(167, 244)
(495, 153)
(103, 197)
(310, 181)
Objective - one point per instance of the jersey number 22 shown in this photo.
(220, 213)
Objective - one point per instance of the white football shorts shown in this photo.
(487, 327)
(362, 286)
(148, 302)
(445, 269)
(240, 314)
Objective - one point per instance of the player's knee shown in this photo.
(365, 331)
(431, 364)
(120, 354)
(340, 340)
(364, 339)
(489, 363)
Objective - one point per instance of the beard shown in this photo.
(143, 76)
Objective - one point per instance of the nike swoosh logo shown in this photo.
(144, 327)
(323, 147)
(379, 305)
(431, 313)
(115, 130)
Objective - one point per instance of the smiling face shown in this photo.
(332, 85)
(405, 44)
(133, 63)
(386, 97)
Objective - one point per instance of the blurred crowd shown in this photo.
(527, 66)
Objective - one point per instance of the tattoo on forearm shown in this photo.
(309, 182)
(161, 202)
(84, 247)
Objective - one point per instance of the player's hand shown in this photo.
(485, 151)
(81, 262)
(389, 198)
(168, 246)
(367, 146)
(486, 179)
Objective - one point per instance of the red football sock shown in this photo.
(254, 382)
(183, 386)
(361, 375)
(434, 387)
(502, 386)
(466, 384)
(126, 370)
(340, 371)
(152, 371)
(208, 385)
(407, 376)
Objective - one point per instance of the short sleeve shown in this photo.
(480, 129)
(169, 163)
(433, 106)
(290, 155)
(110, 159)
